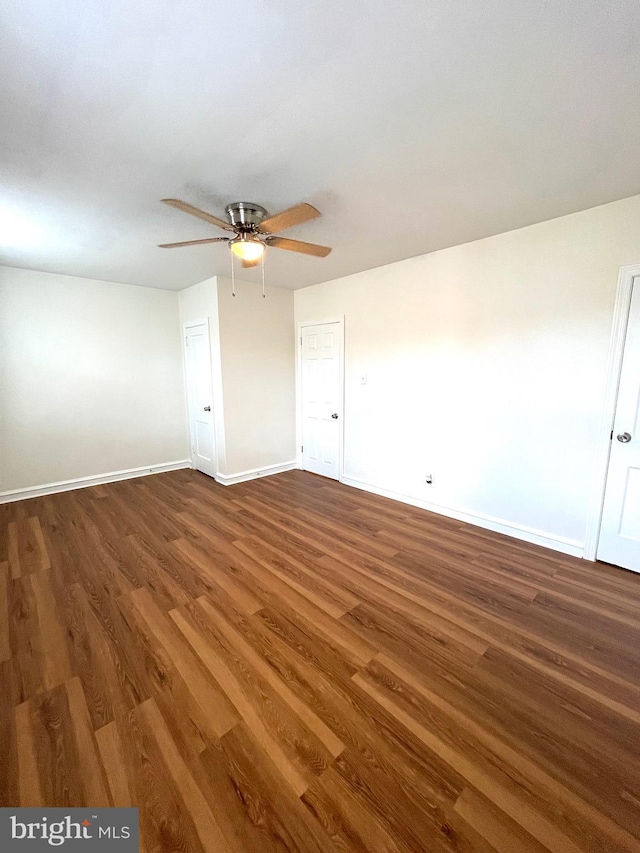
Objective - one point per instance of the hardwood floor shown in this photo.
(289, 664)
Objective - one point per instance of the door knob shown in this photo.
(623, 437)
(335, 416)
(207, 408)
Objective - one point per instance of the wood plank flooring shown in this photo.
(289, 664)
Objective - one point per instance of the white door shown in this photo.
(619, 541)
(322, 398)
(199, 395)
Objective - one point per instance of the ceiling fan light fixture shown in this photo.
(247, 248)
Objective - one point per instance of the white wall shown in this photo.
(91, 378)
(486, 367)
(252, 357)
(257, 349)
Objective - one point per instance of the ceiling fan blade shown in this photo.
(288, 218)
(193, 242)
(201, 214)
(298, 246)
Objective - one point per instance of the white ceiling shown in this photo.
(412, 125)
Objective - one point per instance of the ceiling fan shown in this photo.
(253, 229)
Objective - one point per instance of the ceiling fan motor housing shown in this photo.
(245, 214)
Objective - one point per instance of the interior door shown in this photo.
(619, 541)
(200, 397)
(321, 398)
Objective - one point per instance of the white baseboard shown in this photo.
(241, 476)
(84, 482)
(498, 525)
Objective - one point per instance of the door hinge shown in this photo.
(302, 448)
(611, 436)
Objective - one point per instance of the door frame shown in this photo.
(300, 325)
(626, 278)
(189, 325)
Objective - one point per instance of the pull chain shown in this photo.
(262, 265)
(233, 277)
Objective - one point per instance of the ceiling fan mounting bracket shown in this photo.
(245, 215)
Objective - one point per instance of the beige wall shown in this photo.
(257, 349)
(486, 367)
(91, 378)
